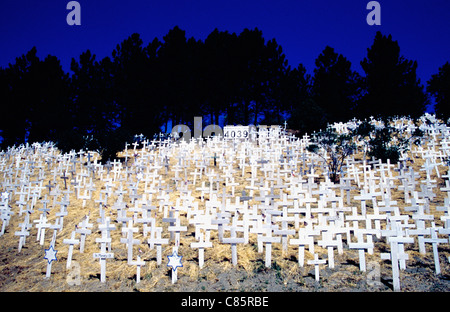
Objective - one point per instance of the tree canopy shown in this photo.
(229, 78)
(391, 85)
(439, 87)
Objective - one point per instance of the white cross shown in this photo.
(107, 227)
(129, 241)
(317, 262)
(41, 225)
(361, 246)
(72, 241)
(301, 242)
(23, 233)
(329, 243)
(434, 240)
(138, 263)
(103, 255)
(284, 232)
(269, 240)
(82, 229)
(158, 241)
(201, 245)
(397, 254)
(233, 240)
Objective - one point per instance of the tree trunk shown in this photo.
(246, 113)
(216, 121)
(256, 113)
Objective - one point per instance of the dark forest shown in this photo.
(241, 78)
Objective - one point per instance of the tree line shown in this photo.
(241, 78)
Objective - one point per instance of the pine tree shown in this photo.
(391, 84)
(439, 87)
(335, 86)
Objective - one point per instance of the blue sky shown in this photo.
(302, 28)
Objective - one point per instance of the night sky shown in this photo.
(302, 28)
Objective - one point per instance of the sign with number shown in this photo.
(239, 132)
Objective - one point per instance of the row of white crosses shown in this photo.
(276, 162)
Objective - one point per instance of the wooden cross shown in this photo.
(302, 240)
(446, 188)
(233, 185)
(420, 230)
(205, 224)
(103, 255)
(269, 240)
(41, 225)
(244, 197)
(55, 227)
(434, 240)
(129, 240)
(361, 246)
(23, 233)
(120, 192)
(258, 229)
(262, 161)
(346, 187)
(158, 241)
(203, 189)
(329, 243)
(284, 232)
(64, 177)
(5, 216)
(107, 227)
(317, 262)
(363, 197)
(222, 219)
(164, 202)
(396, 255)
(138, 263)
(177, 228)
(62, 212)
(233, 240)
(102, 202)
(82, 229)
(201, 245)
(146, 218)
(72, 241)
(49, 185)
(21, 202)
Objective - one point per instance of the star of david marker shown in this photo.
(50, 256)
(174, 262)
